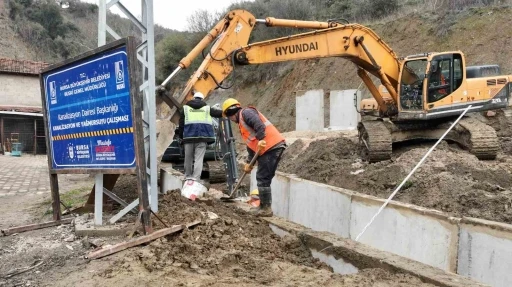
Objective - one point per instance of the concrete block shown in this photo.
(170, 179)
(310, 110)
(407, 231)
(485, 252)
(280, 192)
(343, 113)
(280, 195)
(319, 207)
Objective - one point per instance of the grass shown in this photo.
(73, 198)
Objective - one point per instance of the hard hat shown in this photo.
(199, 95)
(228, 103)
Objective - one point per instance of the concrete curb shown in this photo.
(476, 248)
(362, 256)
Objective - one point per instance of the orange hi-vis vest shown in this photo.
(272, 135)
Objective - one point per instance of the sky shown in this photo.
(166, 13)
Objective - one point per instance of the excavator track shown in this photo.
(479, 138)
(374, 141)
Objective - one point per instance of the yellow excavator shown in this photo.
(418, 97)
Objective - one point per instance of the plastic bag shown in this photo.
(192, 189)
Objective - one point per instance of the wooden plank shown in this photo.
(138, 133)
(54, 185)
(30, 227)
(93, 171)
(139, 240)
(54, 182)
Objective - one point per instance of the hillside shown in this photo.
(42, 31)
(483, 34)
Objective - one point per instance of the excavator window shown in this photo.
(411, 84)
(439, 79)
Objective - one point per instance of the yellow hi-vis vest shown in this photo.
(198, 125)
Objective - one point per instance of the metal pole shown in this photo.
(102, 23)
(102, 40)
(412, 172)
(98, 199)
(149, 91)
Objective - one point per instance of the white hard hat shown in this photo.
(199, 95)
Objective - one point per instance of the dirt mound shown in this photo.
(234, 241)
(451, 179)
(232, 248)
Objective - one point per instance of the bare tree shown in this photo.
(202, 21)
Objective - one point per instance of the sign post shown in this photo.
(93, 119)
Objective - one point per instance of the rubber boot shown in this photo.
(265, 207)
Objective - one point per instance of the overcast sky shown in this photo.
(172, 14)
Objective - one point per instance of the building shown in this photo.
(21, 118)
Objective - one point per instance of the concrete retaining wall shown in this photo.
(309, 110)
(485, 251)
(478, 249)
(343, 114)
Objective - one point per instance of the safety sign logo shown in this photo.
(119, 75)
(53, 93)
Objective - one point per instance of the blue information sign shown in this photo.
(89, 113)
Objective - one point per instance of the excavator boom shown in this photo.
(330, 39)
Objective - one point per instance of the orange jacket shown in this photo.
(272, 135)
(443, 82)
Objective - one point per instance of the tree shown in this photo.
(202, 21)
(169, 53)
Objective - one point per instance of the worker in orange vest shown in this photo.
(258, 132)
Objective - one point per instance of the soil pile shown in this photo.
(450, 180)
(232, 248)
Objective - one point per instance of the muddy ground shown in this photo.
(232, 248)
(228, 248)
(450, 180)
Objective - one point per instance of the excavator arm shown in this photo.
(353, 42)
(230, 48)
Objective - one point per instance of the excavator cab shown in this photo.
(428, 80)
(445, 76)
(411, 84)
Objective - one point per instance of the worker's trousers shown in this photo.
(267, 166)
(194, 155)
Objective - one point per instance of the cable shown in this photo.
(412, 171)
(232, 64)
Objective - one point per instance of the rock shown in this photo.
(194, 266)
(85, 243)
(357, 165)
(491, 113)
(357, 171)
(70, 238)
(96, 242)
(438, 166)
(69, 247)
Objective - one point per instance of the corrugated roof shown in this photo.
(21, 66)
(22, 109)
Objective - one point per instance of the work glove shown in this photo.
(247, 168)
(262, 144)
